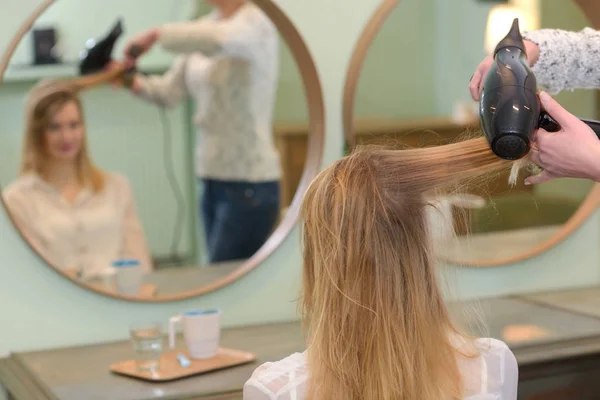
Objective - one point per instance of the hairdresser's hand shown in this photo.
(129, 81)
(139, 45)
(477, 80)
(572, 152)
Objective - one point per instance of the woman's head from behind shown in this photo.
(55, 130)
(377, 322)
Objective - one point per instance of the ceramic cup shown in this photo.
(201, 332)
(125, 277)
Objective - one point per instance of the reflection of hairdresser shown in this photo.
(560, 60)
(228, 63)
(77, 216)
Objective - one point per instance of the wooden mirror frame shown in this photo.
(316, 128)
(361, 49)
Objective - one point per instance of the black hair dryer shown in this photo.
(509, 108)
(99, 53)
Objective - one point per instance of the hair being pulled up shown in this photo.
(376, 321)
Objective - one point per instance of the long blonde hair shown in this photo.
(376, 321)
(44, 101)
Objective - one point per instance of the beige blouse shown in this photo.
(85, 236)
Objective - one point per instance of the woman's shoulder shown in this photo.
(494, 369)
(116, 179)
(21, 186)
(497, 353)
(491, 345)
(293, 362)
(287, 374)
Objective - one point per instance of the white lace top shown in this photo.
(230, 68)
(493, 375)
(567, 60)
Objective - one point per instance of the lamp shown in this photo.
(499, 21)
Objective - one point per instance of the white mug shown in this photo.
(127, 275)
(201, 332)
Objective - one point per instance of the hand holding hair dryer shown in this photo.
(509, 108)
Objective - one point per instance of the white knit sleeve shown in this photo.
(237, 36)
(167, 89)
(567, 60)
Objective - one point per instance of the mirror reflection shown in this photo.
(425, 101)
(151, 155)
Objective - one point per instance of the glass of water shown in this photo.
(147, 339)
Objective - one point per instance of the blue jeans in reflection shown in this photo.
(238, 217)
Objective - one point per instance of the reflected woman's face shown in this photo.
(64, 136)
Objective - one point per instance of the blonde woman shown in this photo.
(77, 216)
(375, 318)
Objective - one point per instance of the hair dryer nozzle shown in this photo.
(511, 146)
(512, 39)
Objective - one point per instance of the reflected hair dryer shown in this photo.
(97, 56)
(509, 108)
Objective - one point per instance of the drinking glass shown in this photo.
(147, 339)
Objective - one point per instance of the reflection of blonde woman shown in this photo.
(377, 325)
(79, 217)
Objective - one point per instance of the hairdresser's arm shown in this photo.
(235, 37)
(134, 238)
(166, 90)
(559, 59)
(238, 36)
(566, 60)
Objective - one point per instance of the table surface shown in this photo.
(82, 372)
(178, 280)
(535, 332)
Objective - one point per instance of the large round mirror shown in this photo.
(408, 86)
(158, 152)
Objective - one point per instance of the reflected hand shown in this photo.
(139, 45)
(126, 79)
(572, 152)
(476, 83)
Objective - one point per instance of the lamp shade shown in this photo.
(499, 21)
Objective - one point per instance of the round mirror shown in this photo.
(408, 86)
(158, 153)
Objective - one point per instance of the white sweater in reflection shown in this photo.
(86, 236)
(230, 69)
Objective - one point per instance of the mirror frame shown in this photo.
(316, 138)
(361, 49)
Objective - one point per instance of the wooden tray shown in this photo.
(170, 369)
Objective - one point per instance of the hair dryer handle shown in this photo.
(595, 125)
(547, 123)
